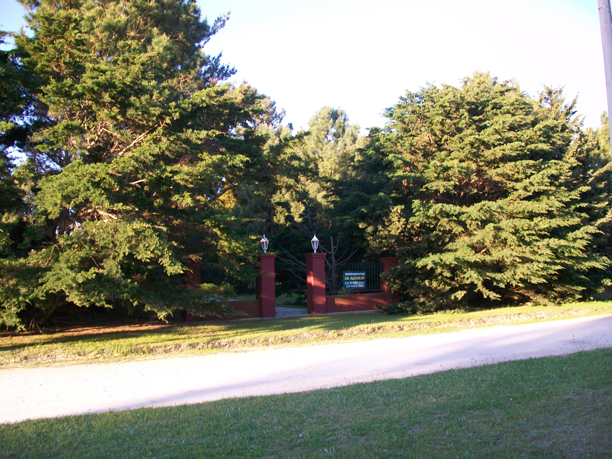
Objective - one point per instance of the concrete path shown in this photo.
(57, 391)
(282, 312)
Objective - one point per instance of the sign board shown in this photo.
(353, 280)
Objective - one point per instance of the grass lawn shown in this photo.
(104, 344)
(550, 407)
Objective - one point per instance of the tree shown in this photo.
(486, 205)
(298, 195)
(144, 141)
(17, 108)
(316, 164)
(591, 149)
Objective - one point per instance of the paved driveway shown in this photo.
(57, 391)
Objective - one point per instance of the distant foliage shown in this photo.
(308, 173)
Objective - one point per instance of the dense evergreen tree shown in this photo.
(591, 148)
(489, 197)
(143, 144)
(10, 108)
(17, 109)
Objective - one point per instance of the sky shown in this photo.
(362, 55)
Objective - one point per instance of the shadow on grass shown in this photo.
(158, 334)
(174, 331)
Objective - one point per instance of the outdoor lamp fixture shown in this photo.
(264, 244)
(314, 242)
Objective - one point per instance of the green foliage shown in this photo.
(143, 140)
(316, 169)
(489, 198)
(140, 161)
(295, 194)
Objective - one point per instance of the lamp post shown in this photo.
(264, 243)
(266, 290)
(315, 280)
(314, 242)
(605, 23)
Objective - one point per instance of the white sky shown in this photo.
(362, 55)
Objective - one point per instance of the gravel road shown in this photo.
(31, 393)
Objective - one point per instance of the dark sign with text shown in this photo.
(354, 280)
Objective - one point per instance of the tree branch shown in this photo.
(135, 141)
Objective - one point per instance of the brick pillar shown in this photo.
(192, 275)
(315, 280)
(192, 283)
(266, 288)
(388, 263)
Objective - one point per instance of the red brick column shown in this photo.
(266, 287)
(315, 280)
(192, 283)
(192, 276)
(388, 263)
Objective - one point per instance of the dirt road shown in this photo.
(58, 391)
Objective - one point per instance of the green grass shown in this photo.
(105, 344)
(550, 407)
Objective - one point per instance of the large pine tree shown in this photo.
(142, 143)
(489, 205)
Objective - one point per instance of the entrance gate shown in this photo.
(320, 303)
